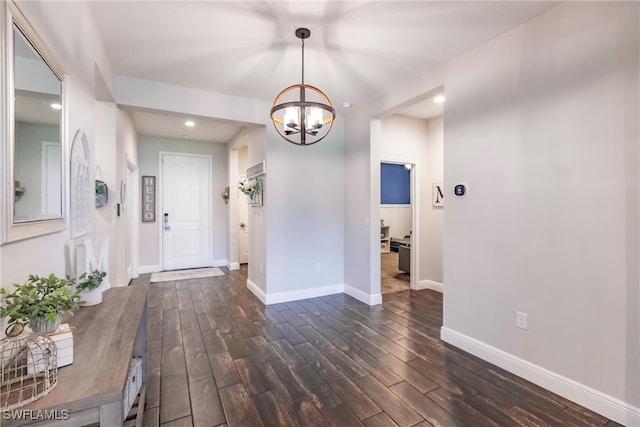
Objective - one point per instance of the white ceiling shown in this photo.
(357, 48)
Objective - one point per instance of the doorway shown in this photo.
(186, 211)
(397, 224)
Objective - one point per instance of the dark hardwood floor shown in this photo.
(217, 356)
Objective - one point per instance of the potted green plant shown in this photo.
(90, 286)
(40, 302)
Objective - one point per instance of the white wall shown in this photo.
(149, 149)
(432, 217)
(105, 160)
(305, 213)
(245, 150)
(542, 124)
(127, 157)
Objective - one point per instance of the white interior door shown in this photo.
(243, 228)
(186, 211)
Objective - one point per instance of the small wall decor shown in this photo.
(225, 195)
(81, 217)
(102, 193)
(252, 187)
(148, 199)
(437, 194)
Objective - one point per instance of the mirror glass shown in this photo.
(37, 151)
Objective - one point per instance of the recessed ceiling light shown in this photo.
(439, 99)
(346, 105)
(56, 106)
(190, 123)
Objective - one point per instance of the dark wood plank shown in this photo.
(224, 370)
(174, 396)
(426, 407)
(340, 416)
(198, 365)
(253, 376)
(205, 403)
(380, 420)
(400, 412)
(287, 382)
(173, 361)
(236, 345)
(238, 407)
(153, 388)
(304, 413)
(213, 342)
(270, 411)
(358, 402)
(316, 389)
(287, 353)
(467, 414)
(409, 374)
(182, 422)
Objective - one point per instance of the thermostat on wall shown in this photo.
(459, 190)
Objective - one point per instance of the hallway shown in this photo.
(217, 356)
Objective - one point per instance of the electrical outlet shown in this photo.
(317, 266)
(521, 320)
(261, 269)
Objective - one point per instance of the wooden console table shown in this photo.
(106, 337)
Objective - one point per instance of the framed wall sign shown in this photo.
(437, 194)
(148, 199)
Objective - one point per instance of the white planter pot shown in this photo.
(92, 297)
(41, 325)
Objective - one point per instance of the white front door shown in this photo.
(243, 228)
(186, 211)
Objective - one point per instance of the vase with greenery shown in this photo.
(40, 302)
(90, 286)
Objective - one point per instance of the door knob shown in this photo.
(166, 222)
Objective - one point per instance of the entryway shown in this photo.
(186, 211)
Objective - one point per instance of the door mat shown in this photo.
(168, 276)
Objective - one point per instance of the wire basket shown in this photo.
(28, 367)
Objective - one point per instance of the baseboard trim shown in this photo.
(219, 263)
(608, 406)
(369, 299)
(320, 291)
(143, 269)
(233, 265)
(430, 284)
(259, 293)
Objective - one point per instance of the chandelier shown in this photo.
(302, 114)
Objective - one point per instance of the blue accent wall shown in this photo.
(395, 184)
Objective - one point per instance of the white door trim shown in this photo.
(132, 213)
(160, 205)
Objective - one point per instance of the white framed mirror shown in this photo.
(34, 113)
